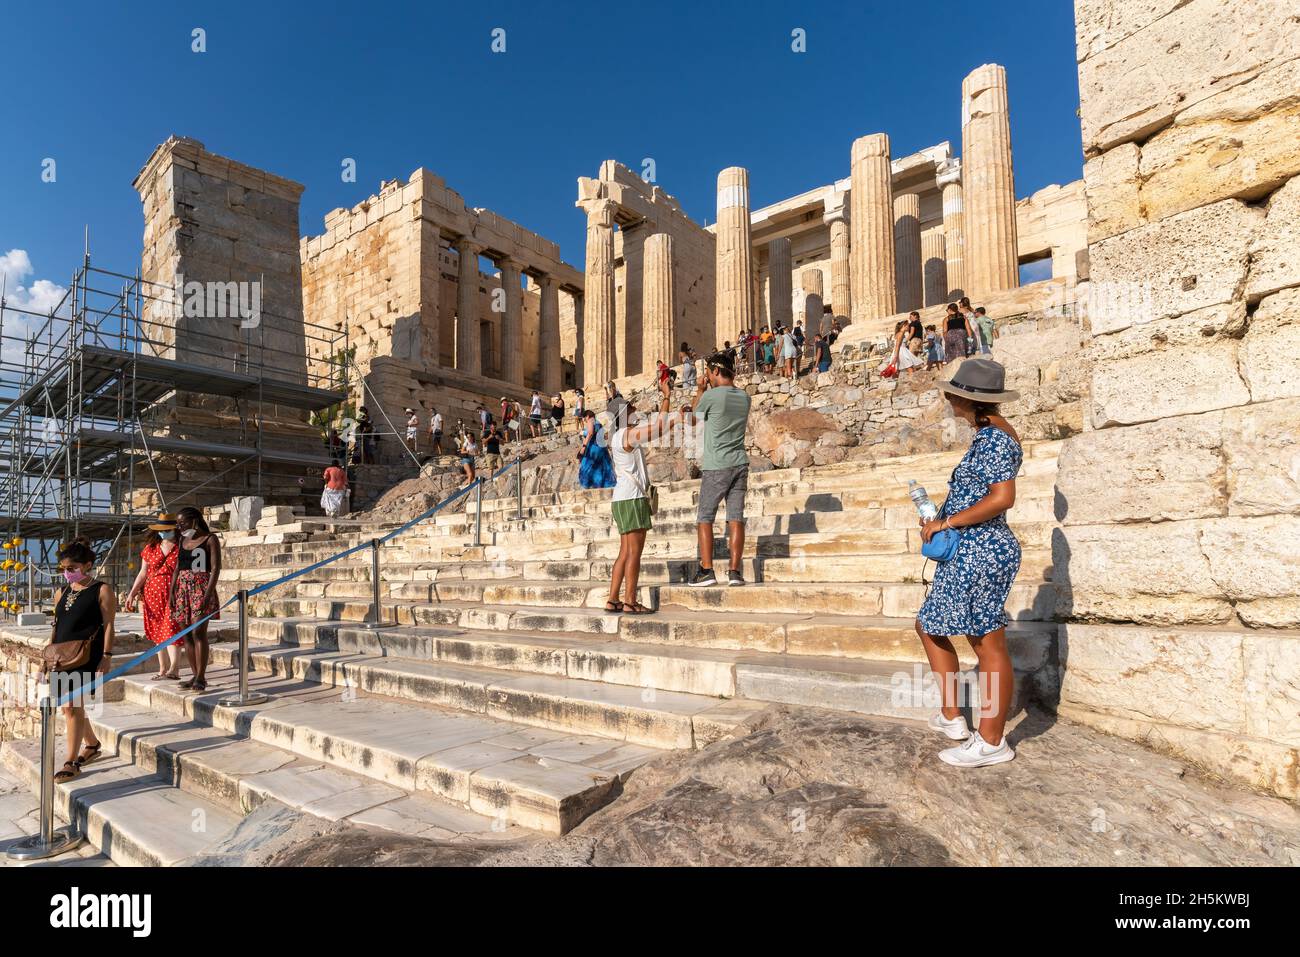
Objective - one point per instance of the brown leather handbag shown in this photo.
(66, 655)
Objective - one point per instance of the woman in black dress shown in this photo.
(194, 589)
(83, 611)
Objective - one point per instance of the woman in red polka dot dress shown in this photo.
(157, 563)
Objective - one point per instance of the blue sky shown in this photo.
(696, 86)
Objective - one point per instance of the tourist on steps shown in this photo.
(334, 496)
(956, 330)
(157, 565)
(969, 593)
(467, 451)
(985, 327)
(83, 625)
(687, 377)
(901, 357)
(631, 500)
(194, 589)
(724, 465)
(435, 431)
(595, 469)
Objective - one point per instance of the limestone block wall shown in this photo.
(1053, 222)
(1179, 557)
(215, 221)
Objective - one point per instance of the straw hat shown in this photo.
(982, 380)
(166, 523)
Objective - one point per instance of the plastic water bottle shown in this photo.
(924, 506)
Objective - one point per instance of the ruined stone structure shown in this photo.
(1179, 551)
(623, 212)
(401, 272)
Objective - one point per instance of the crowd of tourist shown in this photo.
(966, 332)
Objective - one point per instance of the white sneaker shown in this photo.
(955, 728)
(978, 753)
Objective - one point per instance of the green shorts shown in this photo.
(631, 514)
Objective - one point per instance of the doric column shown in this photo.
(949, 180)
(780, 284)
(992, 261)
(907, 252)
(548, 336)
(812, 284)
(468, 358)
(934, 268)
(837, 218)
(734, 304)
(658, 325)
(512, 324)
(871, 224)
(598, 312)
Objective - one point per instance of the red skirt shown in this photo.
(189, 605)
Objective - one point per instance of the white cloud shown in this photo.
(39, 296)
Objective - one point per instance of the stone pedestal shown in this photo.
(469, 360)
(907, 251)
(598, 310)
(735, 273)
(871, 224)
(780, 285)
(949, 180)
(992, 262)
(660, 302)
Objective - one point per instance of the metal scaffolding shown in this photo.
(89, 400)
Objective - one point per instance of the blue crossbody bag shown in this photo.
(942, 545)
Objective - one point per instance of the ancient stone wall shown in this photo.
(220, 227)
(1179, 560)
(1053, 223)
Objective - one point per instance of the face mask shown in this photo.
(166, 536)
(188, 533)
(73, 576)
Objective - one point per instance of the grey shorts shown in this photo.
(717, 484)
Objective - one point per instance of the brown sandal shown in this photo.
(70, 770)
(89, 753)
(636, 608)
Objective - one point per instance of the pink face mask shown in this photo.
(74, 576)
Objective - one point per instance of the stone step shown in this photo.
(1027, 600)
(538, 778)
(135, 818)
(851, 636)
(241, 774)
(655, 664)
(537, 698)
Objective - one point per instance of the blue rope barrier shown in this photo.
(146, 655)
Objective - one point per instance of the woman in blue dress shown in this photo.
(969, 593)
(595, 468)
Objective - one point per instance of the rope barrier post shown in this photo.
(519, 486)
(245, 697)
(51, 841)
(478, 514)
(376, 616)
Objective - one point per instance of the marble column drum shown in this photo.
(909, 290)
(598, 293)
(871, 225)
(734, 297)
(660, 302)
(780, 283)
(992, 262)
(512, 324)
(468, 353)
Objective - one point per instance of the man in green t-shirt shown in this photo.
(724, 410)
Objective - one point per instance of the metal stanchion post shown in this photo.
(245, 697)
(377, 609)
(51, 841)
(519, 486)
(478, 514)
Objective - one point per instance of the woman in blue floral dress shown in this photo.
(969, 593)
